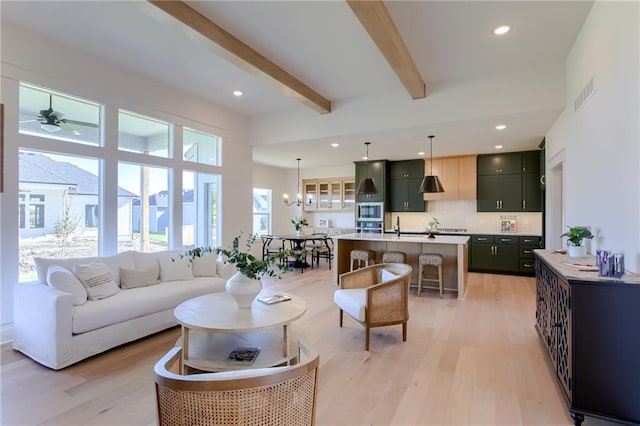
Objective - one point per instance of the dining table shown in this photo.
(298, 242)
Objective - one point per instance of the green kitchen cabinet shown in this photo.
(499, 193)
(494, 253)
(500, 164)
(377, 170)
(509, 182)
(404, 186)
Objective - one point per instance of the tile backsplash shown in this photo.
(462, 214)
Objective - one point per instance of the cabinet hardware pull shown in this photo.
(527, 265)
(482, 239)
(497, 205)
(496, 250)
(527, 251)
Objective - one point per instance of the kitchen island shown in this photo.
(454, 250)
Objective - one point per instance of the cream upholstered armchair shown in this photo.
(376, 296)
(278, 395)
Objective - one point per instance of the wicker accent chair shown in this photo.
(262, 396)
(376, 296)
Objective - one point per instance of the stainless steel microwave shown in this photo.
(370, 212)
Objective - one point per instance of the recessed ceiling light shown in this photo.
(421, 153)
(335, 145)
(501, 126)
(237, 93)
(364, 157)
(498, 147)
(503, 29)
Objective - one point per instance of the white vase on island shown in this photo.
(243, 289)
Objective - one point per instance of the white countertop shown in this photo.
(405, 238)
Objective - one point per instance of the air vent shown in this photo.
(584, 95)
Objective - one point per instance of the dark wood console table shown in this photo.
(589, 328)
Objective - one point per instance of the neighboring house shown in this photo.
(159, 211)
(46, 185)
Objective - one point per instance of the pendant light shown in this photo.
(431, 183)
(298, 201)
(367, 185)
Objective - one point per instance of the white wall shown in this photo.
(601, 141)
(30, 57)
(282, 181)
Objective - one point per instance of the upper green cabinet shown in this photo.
(500, 164)
(377, 170)
(509, 182)
(406, 177)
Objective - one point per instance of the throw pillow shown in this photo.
(387, 276)
(62, 279)
(146, 260)
(173, 267)
(205, 266)
(96, 278)
(132, 278)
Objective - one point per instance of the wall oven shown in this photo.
(370, 226)
(370, 212)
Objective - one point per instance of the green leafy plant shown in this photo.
(299, 222)
(576, 234)
(251, 266)
(434, 223)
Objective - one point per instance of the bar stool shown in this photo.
(394, 257)
(361, 256)
(430, 260)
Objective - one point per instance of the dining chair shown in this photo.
(322, 248)
(263, 396)
(271, 246)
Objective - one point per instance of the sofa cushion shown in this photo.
(353, 301)
(174, 267)
(146, 260)
(63, 280)
(141, 301)
(114, 263)
(205, 266)
(43, 264)
(132, 278)
(97, 279)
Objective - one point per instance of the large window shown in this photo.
(261, 211)
(67, 199)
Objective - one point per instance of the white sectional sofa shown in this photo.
(58, 323)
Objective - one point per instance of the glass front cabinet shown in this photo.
(333, 194)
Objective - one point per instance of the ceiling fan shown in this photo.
(52, 121)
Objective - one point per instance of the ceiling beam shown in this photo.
(375, 19)
(244, 56)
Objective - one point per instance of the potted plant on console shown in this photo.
(245, 285)
(575, 239)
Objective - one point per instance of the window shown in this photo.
(36, 211)
(62, 209)
(91, 215)
(53, 115)
(200, 209)
(200, 147)
(54, 190)
(143, 208)
(145, 135)
(261, 211)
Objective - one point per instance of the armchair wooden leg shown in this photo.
(404, 331)
(340, 318)
(366, 344)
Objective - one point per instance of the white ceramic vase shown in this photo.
(243, 289)
(577, 251)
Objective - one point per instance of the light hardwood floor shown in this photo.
(475, 361)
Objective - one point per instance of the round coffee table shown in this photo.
(213, 325)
